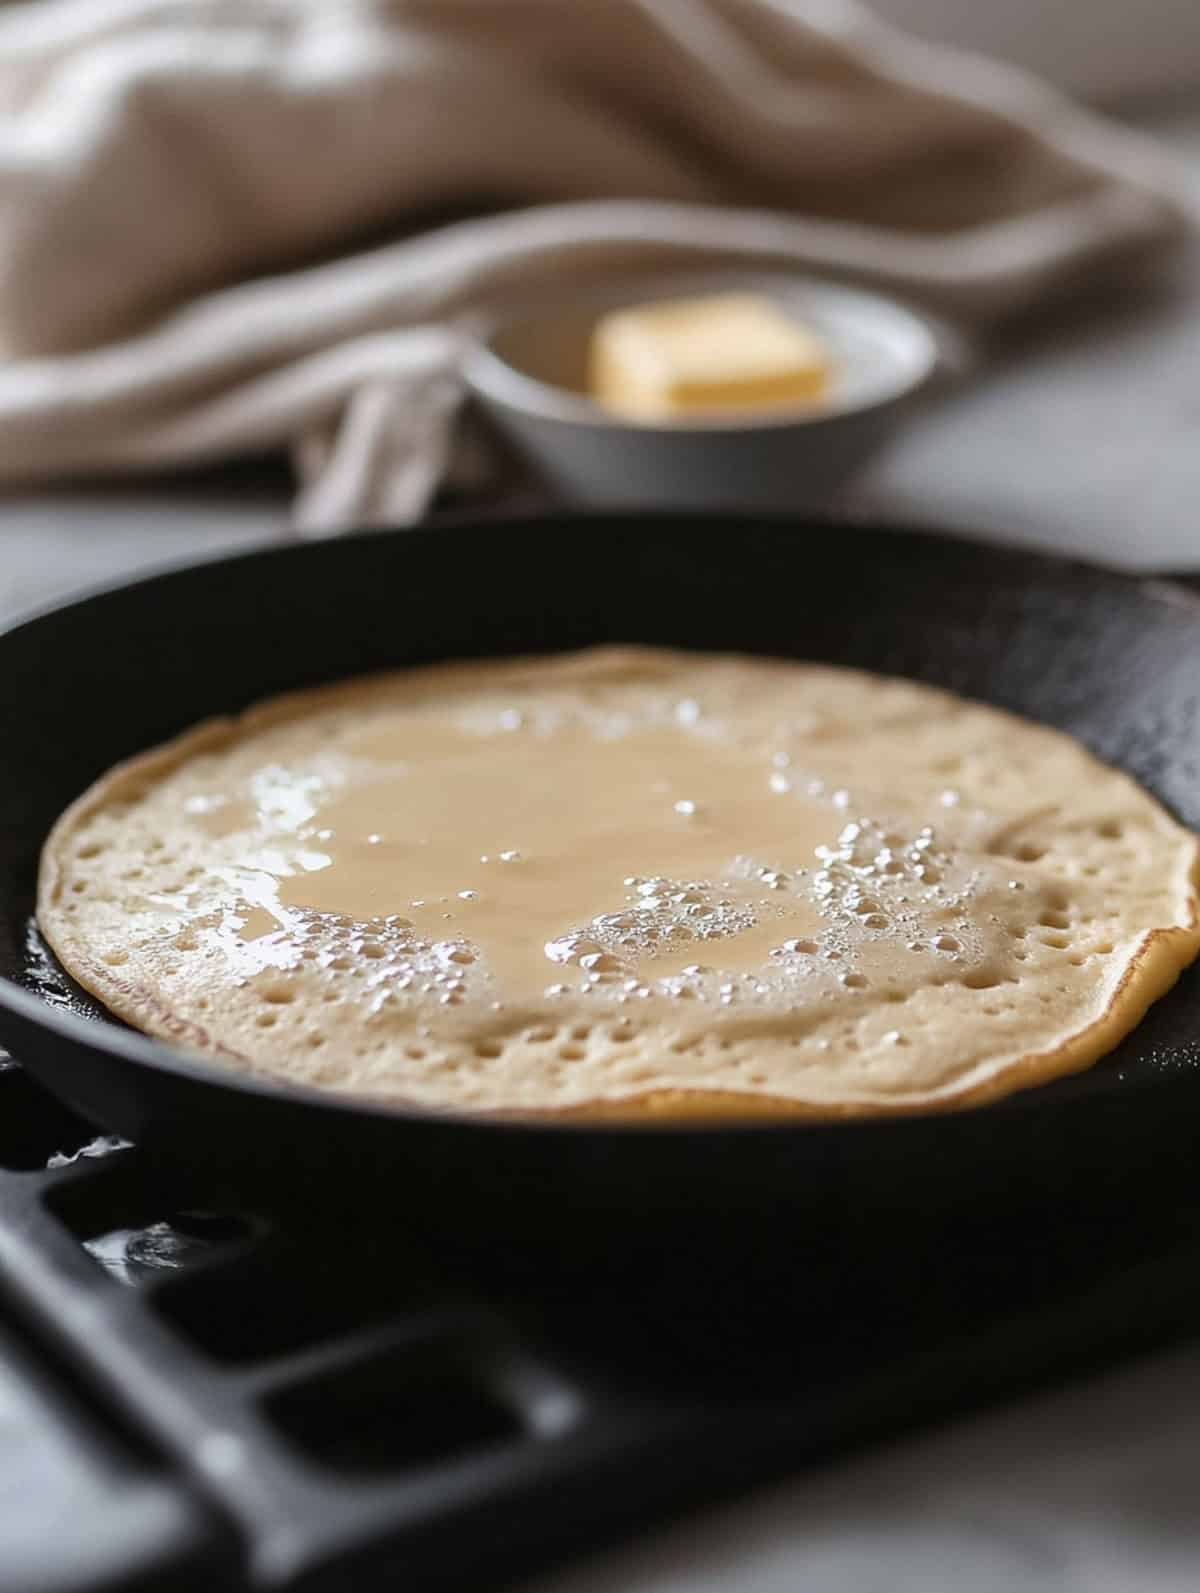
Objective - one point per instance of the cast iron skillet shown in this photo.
(1114, 660)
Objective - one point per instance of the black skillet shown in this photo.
(1114, 660)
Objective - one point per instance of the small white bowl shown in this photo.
(528, 371)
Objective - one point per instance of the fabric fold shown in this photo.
(185, 186)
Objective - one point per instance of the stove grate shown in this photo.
(209, 1398)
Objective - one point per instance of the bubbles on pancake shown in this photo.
(660, 917)
(928, 937)
(636, 954)
(807, 948)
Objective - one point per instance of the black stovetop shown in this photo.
(201, 1398)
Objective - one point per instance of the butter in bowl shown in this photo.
(698, 391)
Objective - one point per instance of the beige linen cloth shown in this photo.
(215, 215)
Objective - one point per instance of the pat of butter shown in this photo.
(732, 351)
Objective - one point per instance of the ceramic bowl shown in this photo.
(528, 371)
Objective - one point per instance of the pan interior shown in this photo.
(1037, 636)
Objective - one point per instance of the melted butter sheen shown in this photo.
(490, 854)
(542, 849)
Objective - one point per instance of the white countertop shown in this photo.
(1091, 1490)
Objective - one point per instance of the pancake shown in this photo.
(627, 881)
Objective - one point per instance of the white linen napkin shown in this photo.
(186, 187)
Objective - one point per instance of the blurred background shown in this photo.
(1100, 49)
(224, 324)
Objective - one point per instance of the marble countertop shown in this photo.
(1088, 1490)
(1085, 439)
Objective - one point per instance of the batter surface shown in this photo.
(627, 880)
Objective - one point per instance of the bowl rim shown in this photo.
(495, 380)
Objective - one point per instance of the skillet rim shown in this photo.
(130, 1046)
